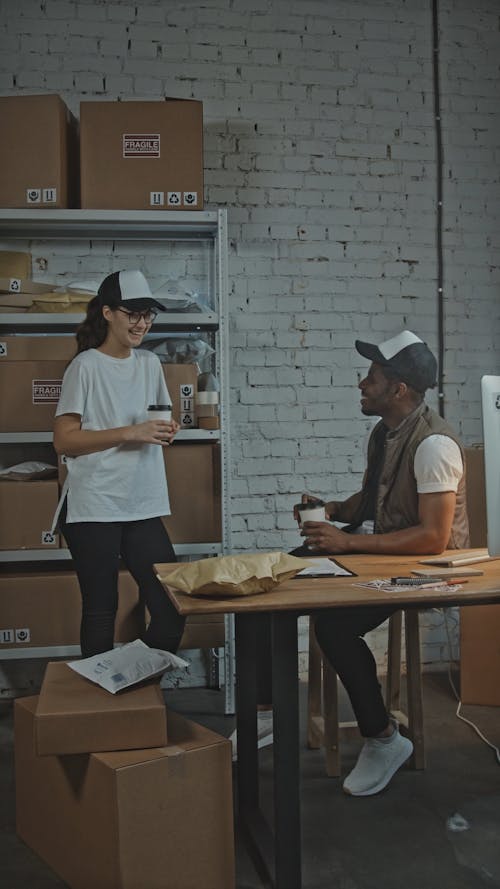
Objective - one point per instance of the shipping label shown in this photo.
(45, 391)
(141, 144)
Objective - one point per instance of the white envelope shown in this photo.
(131, 663)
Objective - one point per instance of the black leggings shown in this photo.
(96, 548)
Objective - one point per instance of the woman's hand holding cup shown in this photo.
(165, 427)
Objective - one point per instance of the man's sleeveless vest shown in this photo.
(389, 493)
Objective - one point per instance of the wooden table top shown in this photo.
(308, 594)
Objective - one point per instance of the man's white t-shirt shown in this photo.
(124, 483)
(437, 465)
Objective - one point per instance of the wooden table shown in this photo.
(280, 855)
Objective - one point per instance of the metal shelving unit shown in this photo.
(17, 227)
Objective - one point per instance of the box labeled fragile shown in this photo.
(142, 155)
(160, 818)
(38, 153)
(31, 372)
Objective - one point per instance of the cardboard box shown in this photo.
(480, 625)
(203, 631)
(75, 715)
(476, 495)
(26, 513)
(15, 302)
(31, 372)
(41, 347)
(480, 655)
(15, 264)
(142, 155)
(193, 477)
(160, 818)
(38, 153)
(39, 609)
(181, 380)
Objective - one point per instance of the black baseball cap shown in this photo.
(407, 355)
(128, 289)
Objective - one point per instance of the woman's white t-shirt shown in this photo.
(124, 483)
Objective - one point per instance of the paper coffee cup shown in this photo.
(160, 412)
(311, 511)
(312, 514)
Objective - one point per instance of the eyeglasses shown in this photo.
(134, 317)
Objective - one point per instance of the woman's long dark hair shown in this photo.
(91, 333)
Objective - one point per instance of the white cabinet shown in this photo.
(179, 252)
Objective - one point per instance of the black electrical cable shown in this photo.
(439, 204)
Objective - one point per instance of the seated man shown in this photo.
(413, 503)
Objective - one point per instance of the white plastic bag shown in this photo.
(121, 667)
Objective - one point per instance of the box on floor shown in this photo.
(160, 818)
(142, 155)
(479, 625)
(38, 153)
(75, 715)
(44, 608)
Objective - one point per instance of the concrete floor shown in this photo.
(401, 838)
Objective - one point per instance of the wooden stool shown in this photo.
(323, 726)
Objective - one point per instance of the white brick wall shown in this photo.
(319, 138)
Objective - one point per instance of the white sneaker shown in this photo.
(264, 732)
(377, 763)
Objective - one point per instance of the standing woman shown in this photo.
(116, 489)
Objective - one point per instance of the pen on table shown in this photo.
(436, 583)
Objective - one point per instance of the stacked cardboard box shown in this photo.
(142, 155)
(38, 153)
(159, 816)
(131, 155)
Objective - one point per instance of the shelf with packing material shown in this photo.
(166, 237)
